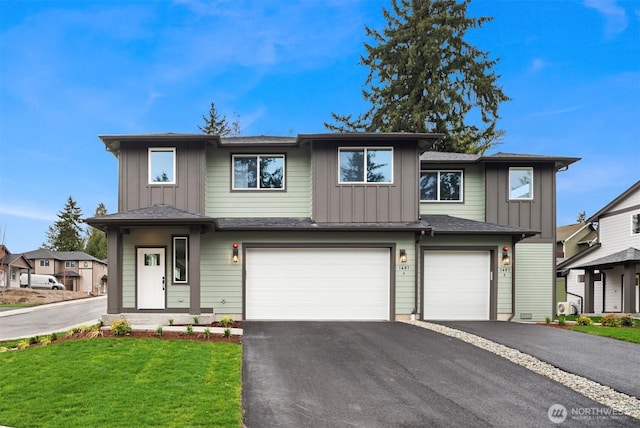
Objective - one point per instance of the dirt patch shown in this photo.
(39, 297)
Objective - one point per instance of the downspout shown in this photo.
(513, 278)
(416, 274)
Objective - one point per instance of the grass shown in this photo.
(17, 305)
(116, 382)
(627, 334)
(596, 319)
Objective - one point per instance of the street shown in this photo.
(51, 318)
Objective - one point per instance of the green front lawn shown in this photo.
(17, 305)
(596, 319)
(118, 382)
(628, 334)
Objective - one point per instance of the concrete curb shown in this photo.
(47, 306)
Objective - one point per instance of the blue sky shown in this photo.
(72, 70)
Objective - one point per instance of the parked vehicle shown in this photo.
(40, 281)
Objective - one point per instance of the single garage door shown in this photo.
(456, 285)
(317, 284)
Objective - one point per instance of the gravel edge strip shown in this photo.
(602, 394)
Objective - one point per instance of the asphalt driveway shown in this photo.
(387, 374)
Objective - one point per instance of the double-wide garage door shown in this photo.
(317, 284)
(456, 285)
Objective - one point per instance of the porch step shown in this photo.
(159, 319)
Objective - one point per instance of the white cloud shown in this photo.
(34, 213)
(537, 64)
(615, 16)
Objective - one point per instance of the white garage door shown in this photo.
(317, 284)
(456, 285)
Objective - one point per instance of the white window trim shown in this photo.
(521, 168)
(371, 183)
(186, 257)
(69, 264)
(632, 216)
(439, 201)
(258, 188)
(150, 177)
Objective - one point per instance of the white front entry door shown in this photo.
(151, 278)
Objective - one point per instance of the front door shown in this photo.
(151, 278)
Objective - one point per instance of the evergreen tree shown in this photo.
(66, 233)
(217, 124)
(96, 240)
(425, 77)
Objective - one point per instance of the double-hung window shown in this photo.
(180, 259)
(44, 263)
(162, 165)
(258, 172)
(437, 186)
(69, 264)
(521, 183)
(366, 165)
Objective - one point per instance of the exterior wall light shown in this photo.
(506, 260)
(403, 256)
(234, 256)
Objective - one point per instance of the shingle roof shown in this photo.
(306, 224)
(44, 253)
(625, 256)
(454, 225)
(159, 214)
(438, 157)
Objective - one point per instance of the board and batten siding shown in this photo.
(135, 191)
(294, 201)
(535, 278)
(537, 214)
(503, 278)
(221, 280)
(365, 202)
(473, 205)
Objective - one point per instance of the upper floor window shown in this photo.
(86, 264)
(44, 263)
(69, 264)
(180, 259)
(521, 183)
(255, 172)
(366, 165)
(635, 224)
(441, 186)
(162, 165)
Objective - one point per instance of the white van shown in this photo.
(40, 281)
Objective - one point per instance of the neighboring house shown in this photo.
(574, 238)
(352, 226)
(604, 278)
(78, 271)
(11, 265)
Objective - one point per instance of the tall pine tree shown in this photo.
(425, 77)
(217, 124)
(97, 240)
(66, 233)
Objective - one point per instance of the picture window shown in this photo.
(258, 172)
(366, 165)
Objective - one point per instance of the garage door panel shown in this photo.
(456, 285)
(317, 284)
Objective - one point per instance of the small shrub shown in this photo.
(54, 337)
(547, 320)
(610, 320)
(207, 333)
(159, 330)
(189, 329)
(170, 321)
(45, 340)
(23, 344)
(101, 323)
(3, 349)
(121, 327)
(196, 320)
(561, 321)
(626, 320)
(34, 340)
(583, 320)
(226, 321)
(227, 332)
(94, 332)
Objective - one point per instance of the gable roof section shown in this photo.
(45, 253)
(157, 215)
(630, 255)
(17, 260)
(634, 188)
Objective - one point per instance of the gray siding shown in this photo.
(537, 214)
(187, 193)
(334, 202)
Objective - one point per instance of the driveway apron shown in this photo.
(387, 374)
(607, 361)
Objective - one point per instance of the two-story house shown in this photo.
(78, 271)
(606, 276)
(352, 226)
(11, 265)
